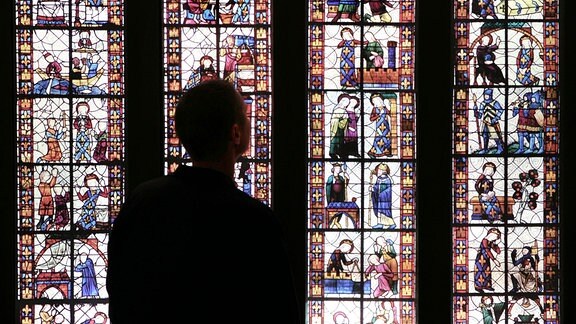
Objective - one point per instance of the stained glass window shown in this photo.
(505, 161)
(361, 162)
(222, 39)
(70, 154)
(67, 134)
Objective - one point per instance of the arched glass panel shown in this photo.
(361, 162)
(506, 162)
(70, 151)
(230, 40)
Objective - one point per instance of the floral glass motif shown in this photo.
(506, 111)
(361, 162)
(70, 155)
(206, 39)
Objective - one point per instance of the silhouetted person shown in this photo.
(191, 247)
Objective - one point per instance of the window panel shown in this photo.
(70, 154)
(506, 159)
(229, 40)
(361, 162)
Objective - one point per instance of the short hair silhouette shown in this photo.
(204, 116)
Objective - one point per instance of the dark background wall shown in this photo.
(144, 144)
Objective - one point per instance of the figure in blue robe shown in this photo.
(381, 197)
(86, 267)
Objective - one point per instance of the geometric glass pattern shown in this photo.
(505, 222)
(361, 162)
(230, 40)
(70, 155)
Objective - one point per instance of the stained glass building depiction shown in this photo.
(230, 40)
(506, 114)
(70, 154)
(361, 162)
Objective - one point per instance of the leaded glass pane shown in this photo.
(505, 160)
(70, 151)
(205, 39)
(361, 162)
